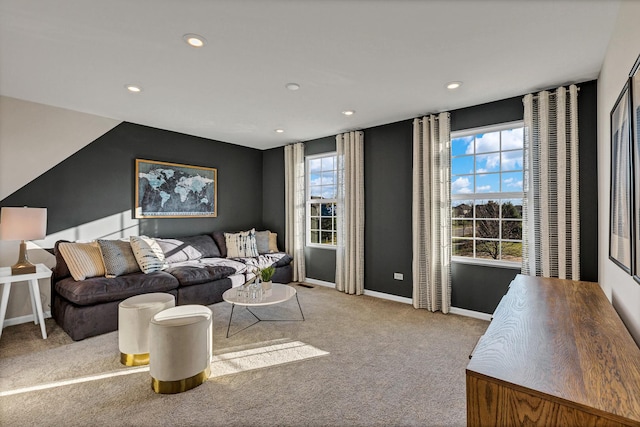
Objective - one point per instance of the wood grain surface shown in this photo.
(555, 353)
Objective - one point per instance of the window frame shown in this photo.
(309, 201)
(499, 196)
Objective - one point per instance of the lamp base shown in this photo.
(23, 266)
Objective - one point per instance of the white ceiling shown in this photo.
(387, 60)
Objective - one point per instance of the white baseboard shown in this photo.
(390, 297)
(470, 313)
(23, 319)
(319, 282)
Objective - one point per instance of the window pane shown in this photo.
(326, 237)
(315, 179)
(512, 230)
(462, 209)
(315, 192)
(327, 209)
(512, 251)
(326, 224)
(315, 209)
(328, 192)
(512, 139)
(315, 223)
(488, 163)
(487, 209)
(512, 182)
(328, 178)
(461, 247)
(315, 237)
(328, 163)
(512, 160)
(488, 249)
(462, 184)
(488, 228)
(462, 228)
(462, 145)
(488, 142)
(461, 165)
(512, 208)
(315, 165)
(488, 183)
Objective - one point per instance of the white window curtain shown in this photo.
(350, 213)
(431, 213)
(551, 222)
(294, 207)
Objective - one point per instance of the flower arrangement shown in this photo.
(267, 273)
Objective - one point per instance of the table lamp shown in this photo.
(23, 224)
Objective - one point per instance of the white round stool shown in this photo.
(134, 315)
(180, 348)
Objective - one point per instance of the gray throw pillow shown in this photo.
(118, 258)
(262, 242)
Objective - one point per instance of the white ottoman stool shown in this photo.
(134, 315)
(180, 348)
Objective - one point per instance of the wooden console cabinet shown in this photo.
(555, 354)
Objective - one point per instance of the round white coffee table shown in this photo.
(277, 294)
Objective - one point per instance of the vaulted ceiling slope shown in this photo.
(387, 60)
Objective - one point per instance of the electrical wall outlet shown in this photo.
(398, 276)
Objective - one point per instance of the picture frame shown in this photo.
(172, 190)
(621, 218)
(634, 90)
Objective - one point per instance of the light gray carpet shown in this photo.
(355, 361)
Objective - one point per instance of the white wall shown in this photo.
(36, 137)
(622, 52)
(33, 139)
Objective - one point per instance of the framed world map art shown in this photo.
(171, 190)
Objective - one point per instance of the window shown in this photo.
(322, 180)
(486, 194)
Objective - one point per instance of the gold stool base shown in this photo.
(134, 359)
(178, 386)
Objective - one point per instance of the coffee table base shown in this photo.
(258, 320)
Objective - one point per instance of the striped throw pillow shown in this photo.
(83, 259)
(241, 245)
(148, 254)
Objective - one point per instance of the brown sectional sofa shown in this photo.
(89, 307)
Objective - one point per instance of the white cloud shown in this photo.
(512, 139)
(512, 160)
(512, 184)
(484, 188)
(461, 185)
(488, 142)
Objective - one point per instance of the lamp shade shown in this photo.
(23, 223)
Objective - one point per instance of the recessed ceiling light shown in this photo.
(133, 88)
(292, 86)
(348, 112)
(279, 130)
(194, 40)
(454, 85)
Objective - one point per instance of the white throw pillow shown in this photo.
(148, 254)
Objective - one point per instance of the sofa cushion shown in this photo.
(195, 275)
(61, 270)
(83, 259)
(218, 237)
(241, 244)
(101, 289)
(188, 248)
(148, 254)
(118, 257)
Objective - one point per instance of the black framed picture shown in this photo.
(621, 222)
(171, 190)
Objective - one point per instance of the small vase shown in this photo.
(266, 286)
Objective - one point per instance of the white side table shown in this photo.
(6, 279)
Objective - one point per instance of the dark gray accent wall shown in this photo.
(98, 181)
